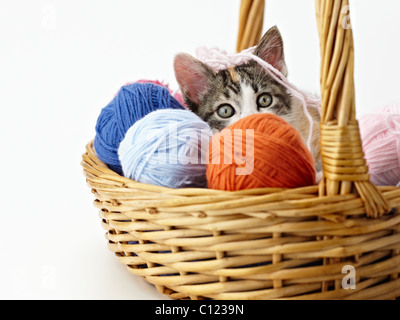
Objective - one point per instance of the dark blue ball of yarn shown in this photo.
(132, 103)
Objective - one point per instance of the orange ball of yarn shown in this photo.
(261, 150)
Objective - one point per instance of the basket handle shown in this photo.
(342, 154)
(251, 21)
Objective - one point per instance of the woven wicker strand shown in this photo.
(251, 21)
(266, 243)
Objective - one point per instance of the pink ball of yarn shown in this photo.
(380, 134)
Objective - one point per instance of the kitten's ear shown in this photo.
(193, 77)
(270, 49)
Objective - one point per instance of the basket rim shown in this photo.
(298, 202)
(102, 168)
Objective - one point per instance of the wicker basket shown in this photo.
(266, 243)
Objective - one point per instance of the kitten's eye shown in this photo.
(264, 100)
(226, 111)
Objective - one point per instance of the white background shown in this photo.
(62, 61)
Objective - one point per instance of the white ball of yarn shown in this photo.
(167, 148)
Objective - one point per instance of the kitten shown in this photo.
(224, 97)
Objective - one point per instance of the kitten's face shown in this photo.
(239, 92)
(224, 97)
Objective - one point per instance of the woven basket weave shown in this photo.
(266, 243)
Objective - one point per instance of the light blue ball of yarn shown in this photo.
(167, 148)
